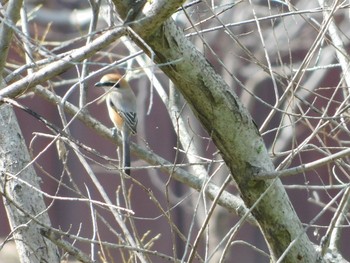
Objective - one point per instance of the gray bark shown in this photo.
(231, 128)
(19, 187)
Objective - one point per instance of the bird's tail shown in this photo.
(126, 153)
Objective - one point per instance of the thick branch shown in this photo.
(6, 32)
(64, 63)
(232, 129)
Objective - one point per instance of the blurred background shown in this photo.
(264, 37)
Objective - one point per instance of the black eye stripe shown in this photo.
(111, 84)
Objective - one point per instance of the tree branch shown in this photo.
(232, 203)
(6, 32)
(231, 127)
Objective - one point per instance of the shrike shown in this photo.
(121, 105)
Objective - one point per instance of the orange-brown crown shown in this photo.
(113, 79)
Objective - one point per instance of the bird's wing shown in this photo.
(130, 120)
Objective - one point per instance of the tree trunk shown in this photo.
(20, 188)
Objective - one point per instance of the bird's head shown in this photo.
(112, 81)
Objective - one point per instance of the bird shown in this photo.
(121, 105)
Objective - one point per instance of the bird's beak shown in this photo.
(98, 84)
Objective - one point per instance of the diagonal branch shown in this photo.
(63, 64)
(230, 202)
(6, 32)
(231, 127)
